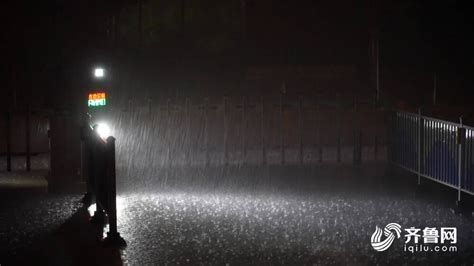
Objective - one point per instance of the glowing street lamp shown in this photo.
(99, 72)
(103, 130)
(97, 101)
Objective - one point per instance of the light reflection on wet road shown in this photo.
(250, 229)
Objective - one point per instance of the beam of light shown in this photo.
(120, 206)
(91, 209)
(103, 130)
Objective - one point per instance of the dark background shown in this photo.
(206, 47)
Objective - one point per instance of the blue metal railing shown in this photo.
(435, 149)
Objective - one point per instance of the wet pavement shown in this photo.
(27, 221)
(268, 229)
(323, 225)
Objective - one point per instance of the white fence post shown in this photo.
(226, 155)
(262, 131)
(168, 140)
(244, 129)
(300, 125)
(282, 144)
(460, 139)
(206, 129)
(419, 148)
(187, 127)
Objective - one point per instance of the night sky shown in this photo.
(48, 43)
